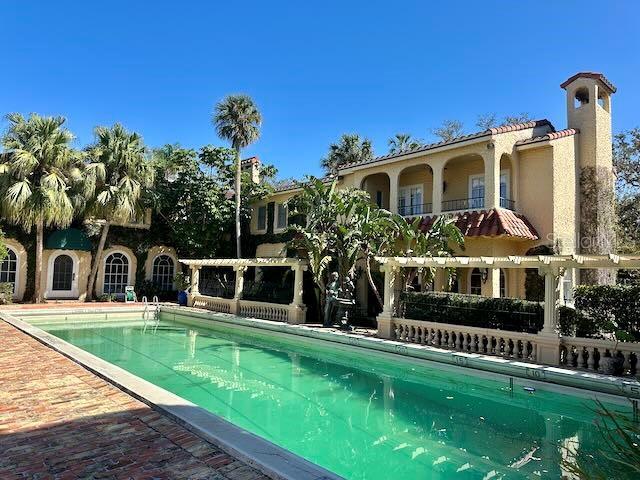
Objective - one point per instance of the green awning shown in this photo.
(69, 239)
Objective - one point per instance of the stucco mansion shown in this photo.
(517, 189)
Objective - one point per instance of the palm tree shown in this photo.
(350, 149)
(238, 120)
(403, 142)
(117, 176)
(39, 178)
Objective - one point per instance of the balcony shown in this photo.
(475, 203)
(415, 210)
(463, 204)
(508, 204)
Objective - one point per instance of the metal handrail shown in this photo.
(406, 210)
(507, 203)
(463, 204)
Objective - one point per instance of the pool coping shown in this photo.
(581, 380)
(263, 455)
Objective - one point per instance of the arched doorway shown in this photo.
(62, 275)
(116, 273)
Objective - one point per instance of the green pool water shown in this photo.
(358, 414)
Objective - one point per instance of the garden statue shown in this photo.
(339, 301)
(333, 289)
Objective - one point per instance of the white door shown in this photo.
(63, 276)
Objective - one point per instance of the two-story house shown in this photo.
(511, 189)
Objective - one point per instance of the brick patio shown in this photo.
(60, 421)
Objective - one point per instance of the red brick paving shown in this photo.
(60, 421)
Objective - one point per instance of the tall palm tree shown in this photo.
(116, 178)
(39, 178)
(403, 142)
(349, 149)
(238, 120)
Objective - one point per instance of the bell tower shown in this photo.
(589, 112)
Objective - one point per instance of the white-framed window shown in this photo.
(504, 184)
(9, 268)
(262, 218)
(410, 200)
(475, 282)
(281, 216)
(116, 273)
(162, 272)
(476, 188)
(503, 283)
(476, 191)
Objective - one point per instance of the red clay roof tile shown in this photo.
(496, 222)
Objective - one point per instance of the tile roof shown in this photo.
(593, 75)
(496, 222)
(549, 136)
(485, 133)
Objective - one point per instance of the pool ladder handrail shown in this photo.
(146, 315)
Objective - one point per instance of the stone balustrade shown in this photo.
(588, 354)
(276, 312)
(461, 338)
(579, 353)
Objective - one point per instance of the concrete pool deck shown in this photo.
(59, 420)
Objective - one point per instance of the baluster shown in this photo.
(626, 366)
(461, 337)
(591, 360)
(452, 340)
(581, 357)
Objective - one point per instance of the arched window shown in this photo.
(475, 285)
(116, 273)
(9, 268)
(503, 284)
(162, 274)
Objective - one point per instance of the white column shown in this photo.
(297, 284)
(393, 192)
(237, 294)
(548, 341)
(491, 179)
(195, 281)
(438, 179)
(551, 298)
(297, 309)
(386, 316)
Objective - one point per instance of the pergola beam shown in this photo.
(244, 262)
(514, 261)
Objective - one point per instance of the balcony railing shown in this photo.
(508, 204)
(473, 204)
(408, 210)
(462, 204)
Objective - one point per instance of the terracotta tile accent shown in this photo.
(550, 136)
(594, 75)
(496, 222)
(59, 421)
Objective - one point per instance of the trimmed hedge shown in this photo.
(603, 309)
(474, 311)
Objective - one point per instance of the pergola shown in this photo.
(551, 267)
(240, 265)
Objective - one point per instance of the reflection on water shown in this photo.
(358, 415)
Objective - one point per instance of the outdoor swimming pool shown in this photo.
(360, 414)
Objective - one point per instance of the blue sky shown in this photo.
(315, 69)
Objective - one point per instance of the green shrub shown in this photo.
(608, 309)
(472, 310)
(107, 297)
(6, 293)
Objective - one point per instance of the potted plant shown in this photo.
(182, 284)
